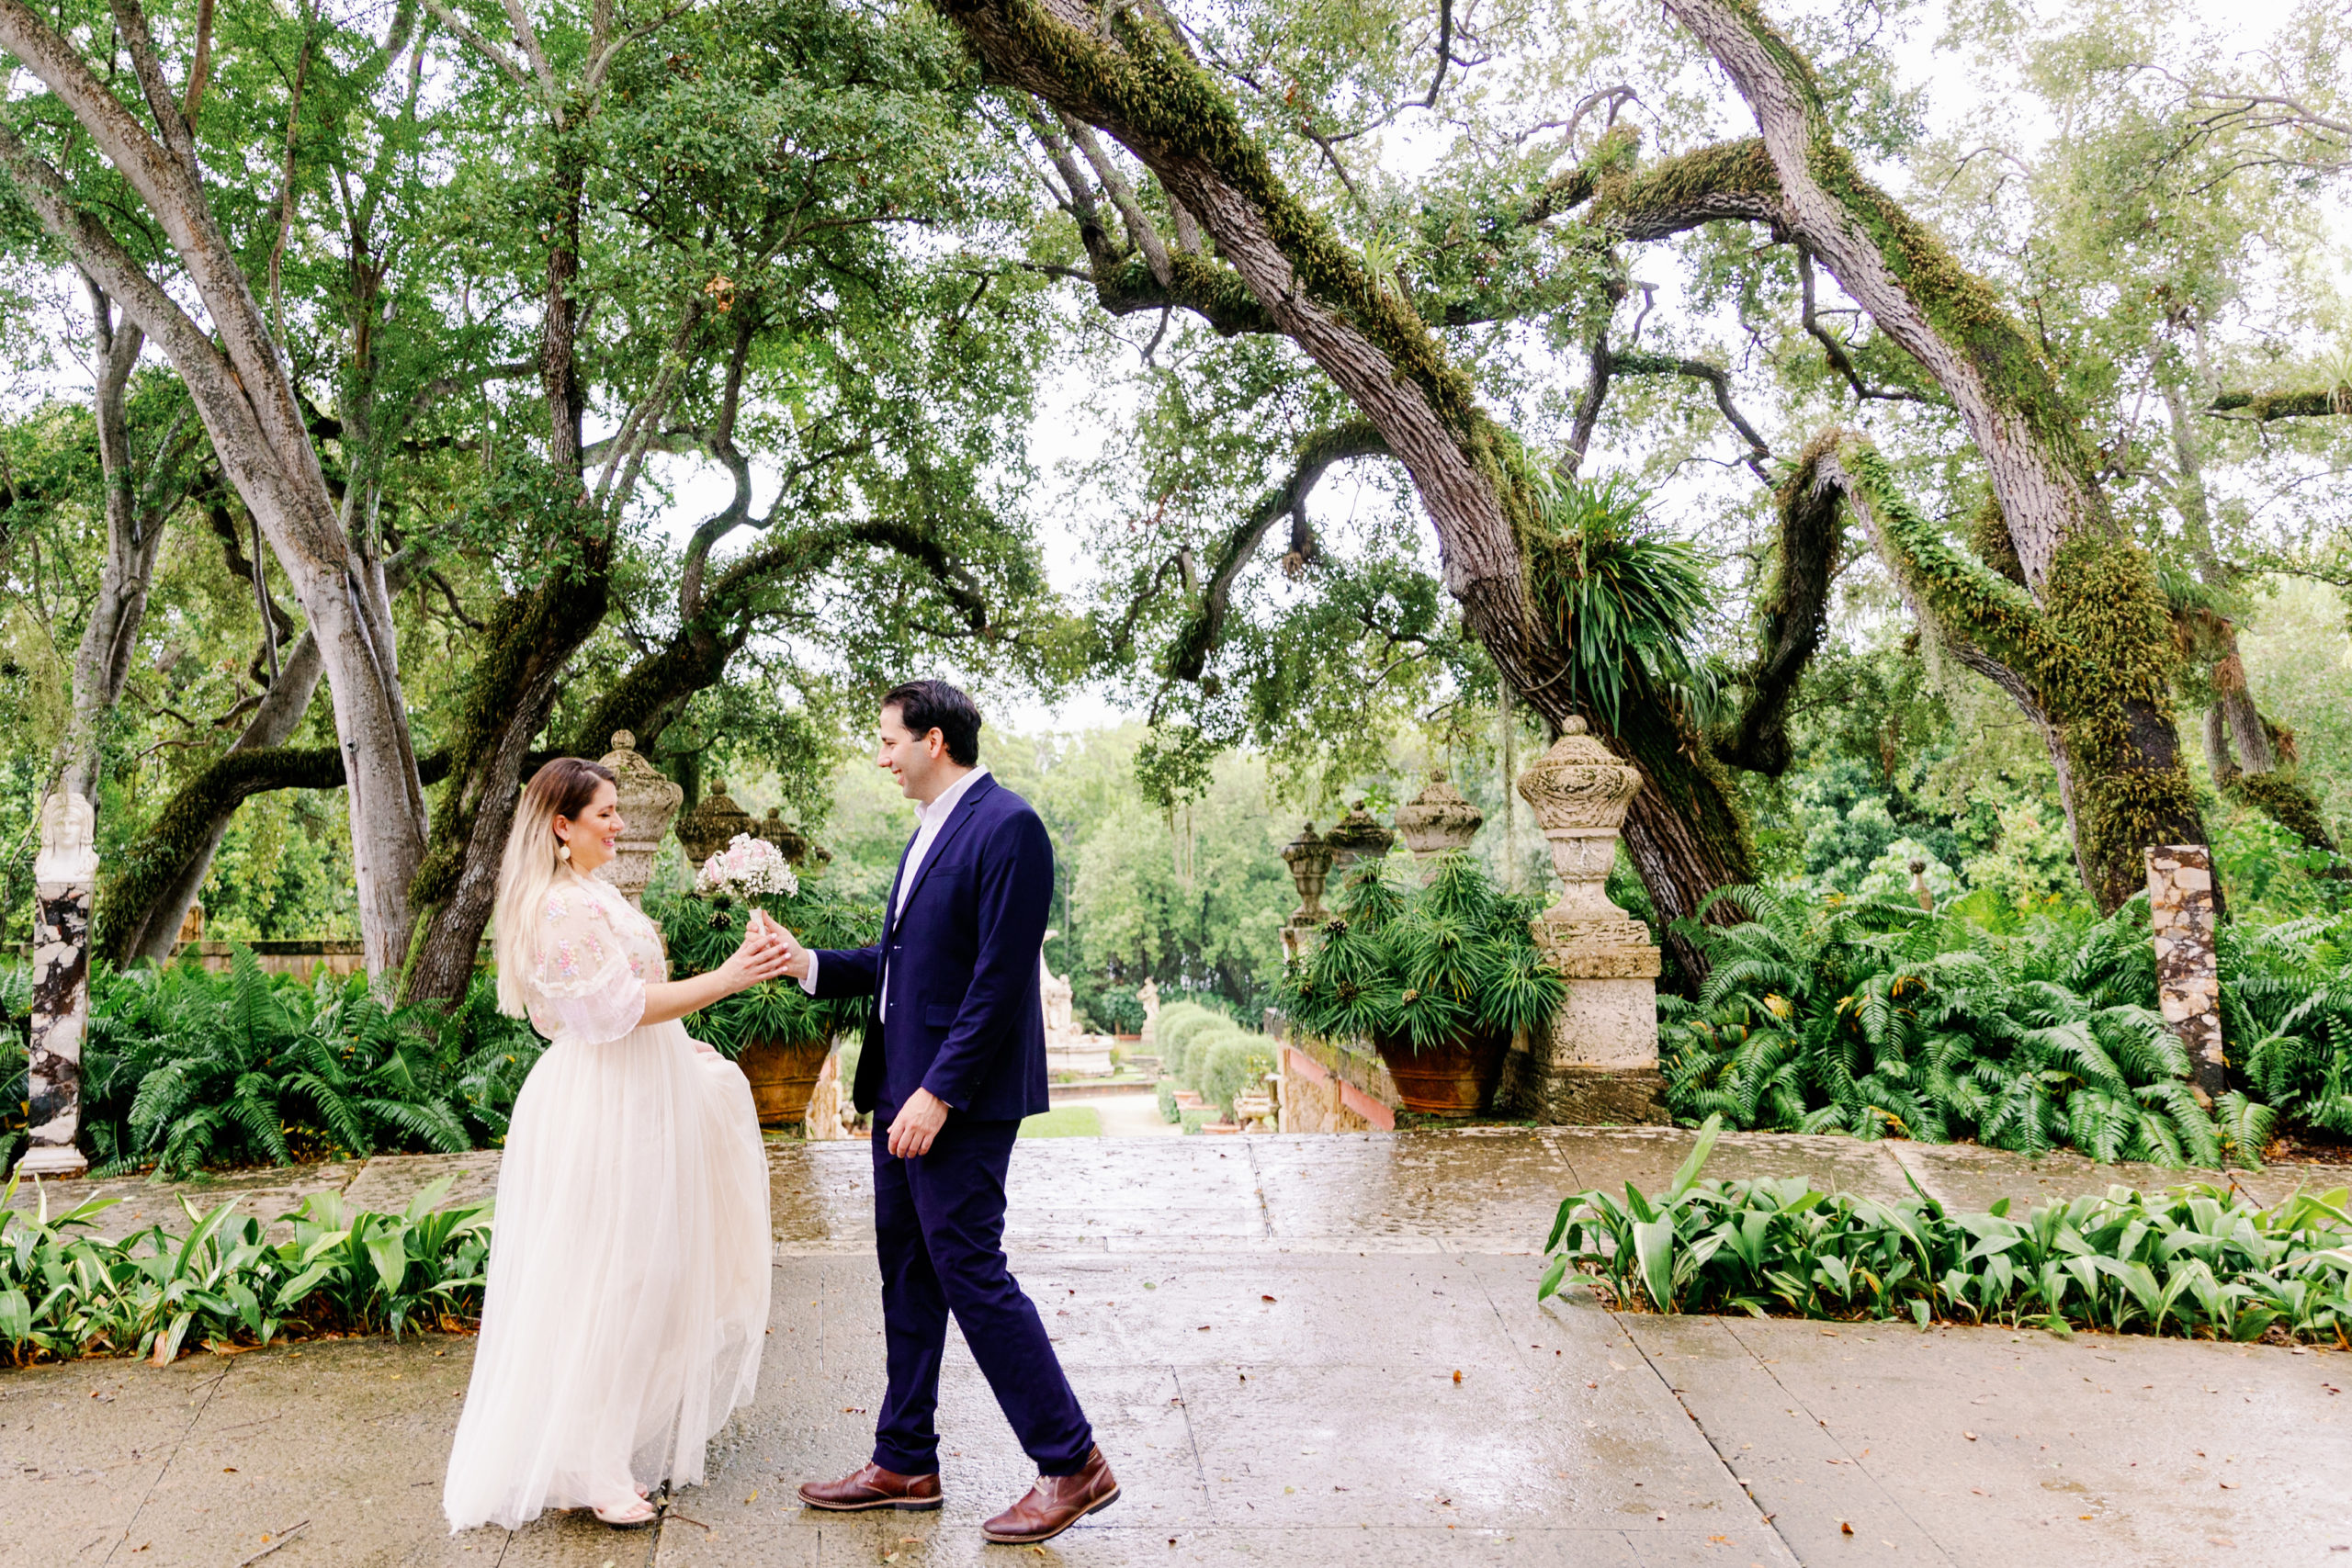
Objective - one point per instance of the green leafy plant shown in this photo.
(1422, 963)
(185, 1069)
(2201, 1261)
(2287, 1016)
(703, 931)
(1874, 1017)
(1624, 603)
(67, 1292)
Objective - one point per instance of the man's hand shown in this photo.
(796, 957)
(917, 1125)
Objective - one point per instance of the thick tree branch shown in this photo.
(1315, 455)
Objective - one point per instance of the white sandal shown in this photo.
(616, 1518)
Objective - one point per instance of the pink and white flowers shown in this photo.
(747, 867)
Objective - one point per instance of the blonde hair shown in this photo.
(562, 787)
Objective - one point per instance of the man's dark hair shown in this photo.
(926, 706)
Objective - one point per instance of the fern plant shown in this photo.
(184, 1069)
(2287, 1014)
(1876, 1019)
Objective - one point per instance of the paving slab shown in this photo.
(1266, 1331)
(140, 1202)
(388, 1184)
(1985, 1447)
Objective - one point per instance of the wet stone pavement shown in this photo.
(1304, 1351)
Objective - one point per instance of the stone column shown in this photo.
(1309, 858)
(65, 875)
(1599, 1064)
(647, 801)
(2189, 976)
(1437, 822)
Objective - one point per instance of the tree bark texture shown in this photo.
(531, 638)
(1135, 80)
(2090, 642)
(237, 378)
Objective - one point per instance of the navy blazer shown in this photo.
(964, 1019)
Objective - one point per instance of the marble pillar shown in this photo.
(1598, 1063)
(65, 875)
(2189, 976)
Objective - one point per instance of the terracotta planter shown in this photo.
(1454, 1078)
(784, 1075)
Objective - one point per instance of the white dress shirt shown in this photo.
(928, 820)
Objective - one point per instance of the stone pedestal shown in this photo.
(2189, 976)
(1437, 822)
(646, 801)
(65, 875)
(1599, 1060)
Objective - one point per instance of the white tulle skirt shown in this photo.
(629, 1280)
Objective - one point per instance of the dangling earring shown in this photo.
(562, 850)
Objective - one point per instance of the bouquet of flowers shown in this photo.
(747, 867)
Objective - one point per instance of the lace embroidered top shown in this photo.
(591, 952)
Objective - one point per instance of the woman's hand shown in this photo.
(761, 956)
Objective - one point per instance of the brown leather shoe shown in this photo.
(871, 1486)
(1055, 1503)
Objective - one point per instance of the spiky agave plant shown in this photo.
(1624, 603)
(1424, 965)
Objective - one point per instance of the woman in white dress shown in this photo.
(628, 1268)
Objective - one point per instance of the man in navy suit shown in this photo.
(955, 1057)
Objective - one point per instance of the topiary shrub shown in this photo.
(1236, 1065)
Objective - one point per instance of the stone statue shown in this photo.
(1056, 995)
(1149, 994)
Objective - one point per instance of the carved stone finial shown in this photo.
(1579, 792)
(712, 825)
(1357, 836)
(647, 802)
(1437, 821)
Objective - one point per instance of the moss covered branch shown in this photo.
(1315, 455)
(2263, 407)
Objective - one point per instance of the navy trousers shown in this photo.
(939, 1228)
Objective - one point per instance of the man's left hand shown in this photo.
(917, 1125)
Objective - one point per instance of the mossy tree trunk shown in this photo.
(2240, 751)
(1277, 267)
(2086, 646)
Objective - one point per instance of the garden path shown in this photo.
(1268, 1332)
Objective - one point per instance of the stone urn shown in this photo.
(1600, 1063)
(1309, 858)
(1579, 792)
(1357, 836)
(647, 801)
(808, 857)
(711, 826)
(1437, 822)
